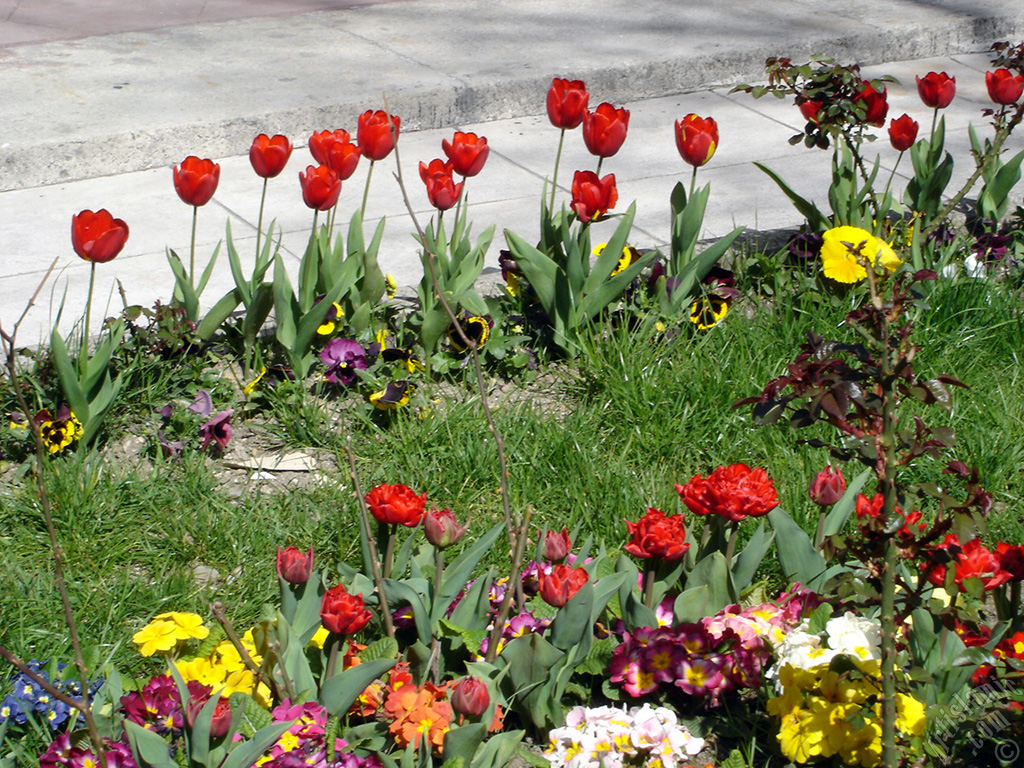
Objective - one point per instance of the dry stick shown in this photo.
(378, 578)
(44, 504)
(217, 608)
(506, 602)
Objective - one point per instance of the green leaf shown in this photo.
(748, 561)
(246, 753)
(713, 572)
(691, 605)
(798, 558)
(218, 314)
(68, 377)
(572, 623)
(385, 648)
(149, 749)
(815, 218)
(459, 572)
(205, 277)
(836, 519)
(183, 287)
(462, 742)
(338, 693)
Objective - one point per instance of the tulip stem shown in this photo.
(83, 356)
(730, 548)
(600, 162)
(693, 181)
(312, 234)
(892, 174)
(366, 192)
(554, 179)
(389, 551)
(259, 223)
(192, 251)
(650, 573)
(334, 640)
(935, 117)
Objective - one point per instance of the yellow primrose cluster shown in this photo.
(845, 250)
(166, 631)
(224, 671)
(823, 712)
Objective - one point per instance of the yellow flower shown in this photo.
(334, 314)
(844, 250)
(319, 638)
(390, 285)
(708, 311)
(155, 637)
(186, 625)
(201, 670)
(394, 395)
(910, 717)
(512, 285)
(629, 255)
(249, 388)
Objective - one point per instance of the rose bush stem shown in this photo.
(217, 609)
(435, 641)
(514, 578)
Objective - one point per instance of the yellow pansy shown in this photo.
(845, 248)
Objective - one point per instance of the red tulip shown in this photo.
(936, 89)
(827, 487)
(657, 536)
(442, 190)
(470, 697)
(335, 150)
(567, 101)
(374, 134)
(557, 545)
(810, 110)
(604, 129)
(876, 105)
(293, 566)
(320, 143)
(696, 139)
(320, 187)
(1004, 87)
(592, 197)
(1011, 559)
(396, 504)
(343, 613)
(97, 237)
(196, 180)
(269, 155)
(442, 529)
(976, 561)
(902, 132)
(559, 585)
(735, 492)
(222, 714)
(466, 152)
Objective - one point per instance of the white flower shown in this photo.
(855, 636)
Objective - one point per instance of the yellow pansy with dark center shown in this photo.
(394, 395)
(330, 323)
(476, 329)
(708, 311)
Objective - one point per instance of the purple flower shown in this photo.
(217, 430)
(342, 357)
(203, 404)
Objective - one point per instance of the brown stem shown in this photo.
(506, 603)
(435, 641)
(259, 674)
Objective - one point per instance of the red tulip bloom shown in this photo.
(828, 487)
(902, 132)
(735, 492)
(559, 585)
(1004, 87)
(196, 180)
(657, 536)
(936, 89)
(222, 714)
(442, 529)
(592, 197)
(320, 143)
(320, 187)
(876, 105)
(396, 504)
(810, 109)
(696, 139)
(976, 561)
(335, 150)
(467, 153)
(604, 129)
(470, 697)
(567, 101)
(97, 237)
(442, 190)
(557, 545)
(343, 613)
(269, 155)
(293, 565)
(374, 134)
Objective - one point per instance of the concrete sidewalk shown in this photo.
(96, 122)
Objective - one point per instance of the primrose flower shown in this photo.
(845, 249)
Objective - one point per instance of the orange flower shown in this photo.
(391, 504)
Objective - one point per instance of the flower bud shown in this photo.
(293, 566)
(827, 487)
(200, 695)
(561, 584)
(557, 545)
(471, 697)
(441, 528)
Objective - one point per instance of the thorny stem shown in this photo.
(364, 517)
(259, 674)
(289, 687)
(855, 151)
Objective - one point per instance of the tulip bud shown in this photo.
(471, 697)
(221, 722)
(827, 487)
(561, 584)
(557, 545)
(293, 566)
(441, 528)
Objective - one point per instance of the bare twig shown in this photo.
(259, 673)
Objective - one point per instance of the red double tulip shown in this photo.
(335, 150)
(293, 565)
(396, 504)
(97, 237)
(876, 104)
(470, 697)
(374, 133)
(196, 180)
(320, 187)
(657, 536)
(1004, 87)
(559, 585)
(696, 139)
(269, 155)
(734, 492)
(593, 197)
(902, 132)
(342, 612)
(567, 101)
(442, 190)
(827, 487)
(467, 153)
(442, 529)
(604, 129)
(936, 89)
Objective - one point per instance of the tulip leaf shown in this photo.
(460, 570)
(572, 622)
(463, 741)
(713, 572)
(799, 560)
(815, 218)
(836, 519)
(149, 749)
(338, 693)
(245, 754)
(205, 277)
(68, 377)
(692, 605)
(748, 561)
(220, 312)
(235, 263)
(183, 290)
(472, 610)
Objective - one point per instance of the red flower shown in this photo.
(876, 105)
(936, 89)
(902, 132)
(396, 504)
(1011, 559)
(97, 237)
(1003, 86)
(200, 694)
(470, 697)
(976, 561)
(442, 529)
(196, 180)
(592, 197)
(374, 134)
(604, 129)
(320, 143)
(335, 150)
(320, 187)
(734, 492)
(269, 155)
(559, 585)
(696, 139)
(827, 487)
(343, 613)
(657, 536)
(467, 153)
(293, 566)
(557, 545)
(810, 109)
(567, 101)
(442, 191)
